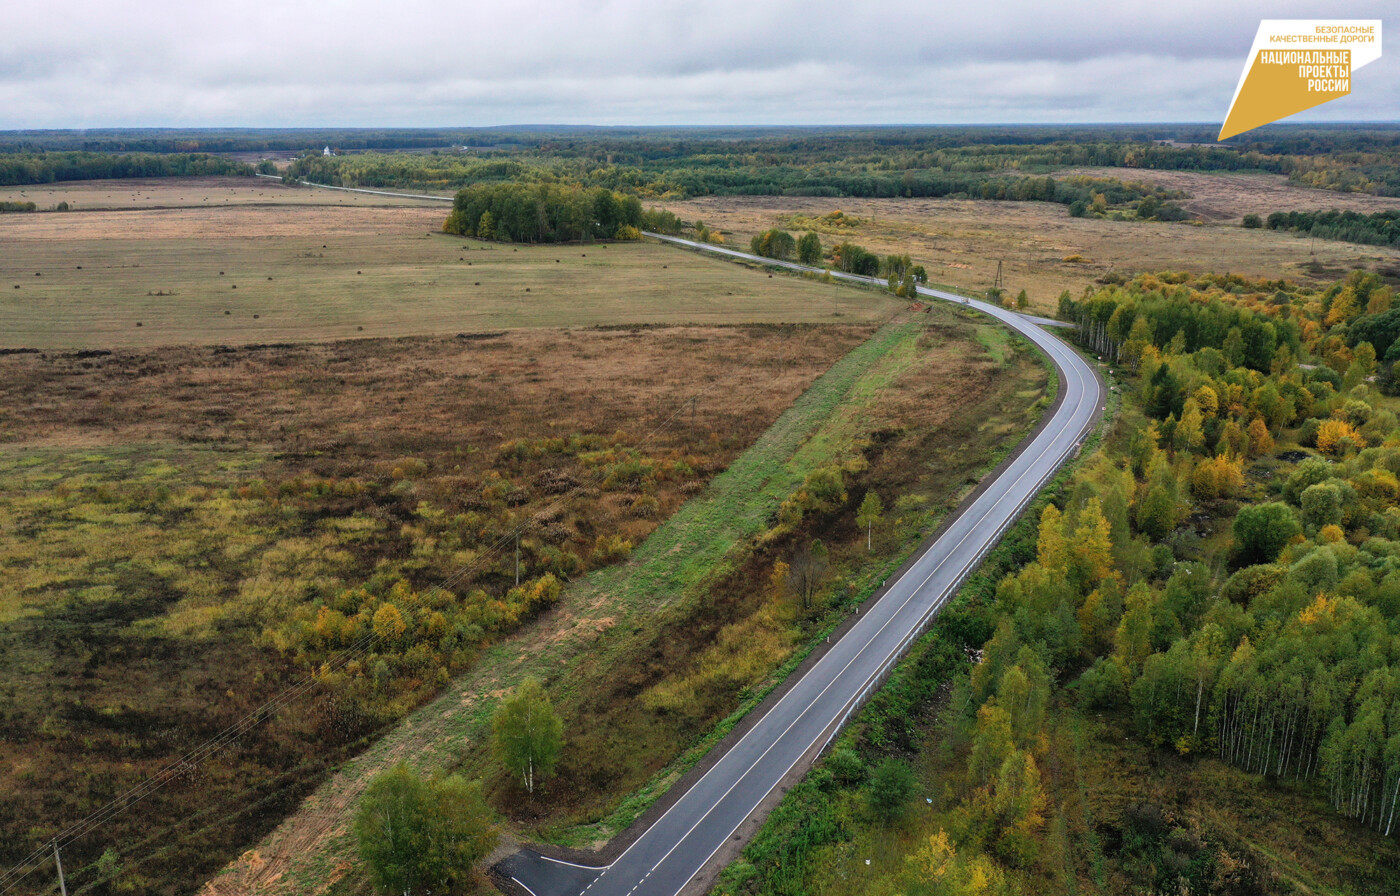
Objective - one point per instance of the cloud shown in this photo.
(353, 63)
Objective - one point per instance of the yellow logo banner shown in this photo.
(1298, 64)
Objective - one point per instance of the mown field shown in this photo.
(195, 192)
(1044, 250)
(247, 272)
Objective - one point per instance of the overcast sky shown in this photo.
(191, 63)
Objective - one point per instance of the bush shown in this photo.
(891, 786)
(846, 766)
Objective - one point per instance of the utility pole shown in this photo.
(517, 558)
(997, 283)
(59, 862)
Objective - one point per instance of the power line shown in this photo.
(11, 878)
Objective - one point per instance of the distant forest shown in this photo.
(984, 162)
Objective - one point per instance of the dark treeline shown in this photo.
(543, 213)
(49, 167)
(986, 174)
(927, 162)
(1276, 139)
(224, 140)
(1378, 229)
(981, 162)
(407, 171)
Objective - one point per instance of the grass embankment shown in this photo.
(649, 661)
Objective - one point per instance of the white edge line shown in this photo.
(573, 864)
(886, 662)
(1079, 366)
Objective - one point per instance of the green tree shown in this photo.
(1156, 515)
(871, 511)
(421, 835)
(809, 248)
(1023, 301)
(891, 786)
(1261, 531)
(529, 735)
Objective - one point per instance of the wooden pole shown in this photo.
(63, 887)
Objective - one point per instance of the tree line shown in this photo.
(1377, 229)
(543, 213)
(50, 167)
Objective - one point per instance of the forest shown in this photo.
(993, 162)
(1216, 591)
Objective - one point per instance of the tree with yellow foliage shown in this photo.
(1261, 441)
(1207, 400)
(1338, 437)
(1051, 549)
(937, 869)
(1091, 548)
(1217, 477)
(388, 623)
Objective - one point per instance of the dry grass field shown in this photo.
(246, 271)
(1228, 196)
(961, 241)
(194, 192)
(162, 511)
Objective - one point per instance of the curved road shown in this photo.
(682, 841)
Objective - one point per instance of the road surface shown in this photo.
(681, 842)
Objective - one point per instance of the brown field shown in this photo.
(162, 509)
(288, 271)
(1226, 196)
(961, 241)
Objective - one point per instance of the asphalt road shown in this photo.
(679, 844)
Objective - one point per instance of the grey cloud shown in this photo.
(635, 62)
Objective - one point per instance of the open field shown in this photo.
(282, 272)
(195, 192)
(961, 241)
(1227, 196)
(646, 659)
(166, 513)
